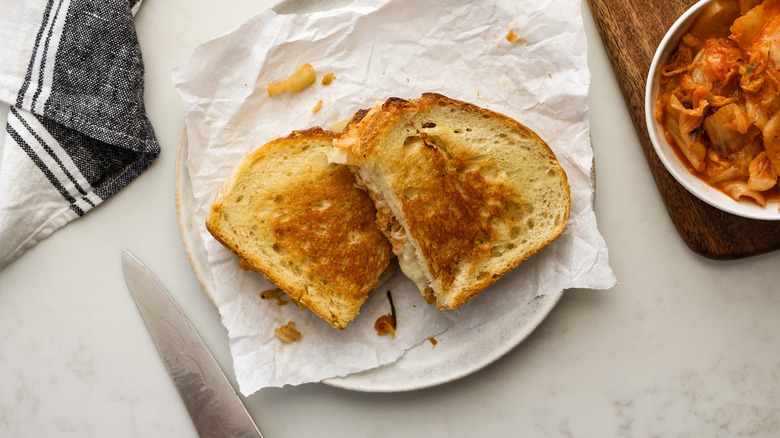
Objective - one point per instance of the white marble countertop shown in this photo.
(683, 346)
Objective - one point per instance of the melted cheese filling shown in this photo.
(402, 248)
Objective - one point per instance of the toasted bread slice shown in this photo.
(463, 193)
(302, 223)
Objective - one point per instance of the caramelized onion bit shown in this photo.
(385, 324)
(287, 333)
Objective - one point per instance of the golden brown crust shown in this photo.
(450, 214)
(356, 118)
(393, 107)
(450, 199)
(315, 223)
(380, 122)
(310, 234)
(315, 132)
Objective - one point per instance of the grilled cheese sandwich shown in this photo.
(464, 194)
(302, 223)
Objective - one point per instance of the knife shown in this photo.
(213, 404)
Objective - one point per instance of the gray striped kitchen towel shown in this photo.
(76, 130)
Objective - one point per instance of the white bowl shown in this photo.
(699, 188)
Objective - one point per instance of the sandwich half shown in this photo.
(302, 223)
(464, 194)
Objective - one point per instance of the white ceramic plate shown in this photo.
(458, 353)
(700, 189)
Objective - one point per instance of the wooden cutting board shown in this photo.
(631, 30)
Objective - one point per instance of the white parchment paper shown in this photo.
(378, 49)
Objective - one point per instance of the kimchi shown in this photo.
(718, 99)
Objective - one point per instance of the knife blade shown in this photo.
(211, 401)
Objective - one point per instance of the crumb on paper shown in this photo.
(317, 107)
(244, 265)
(328, 78)
(385, 324)
(407, 80)
(513, 37)
(299, 80)
(433, 341)
(276, 88)
(287, 333)
(274, 294)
